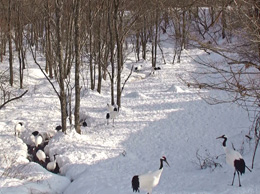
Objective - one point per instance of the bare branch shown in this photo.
(46, 76)
(12, 99)
(127, 78)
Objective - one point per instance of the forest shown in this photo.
(92, 37)
(139, 56)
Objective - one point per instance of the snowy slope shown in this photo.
(159, 116)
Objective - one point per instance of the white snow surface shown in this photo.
(159, 117)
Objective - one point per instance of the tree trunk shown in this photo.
(11, 78)
(99, 56)
(144, 38)
(58, 5)
(48, 49)
(155, 38)
(183, 44)
(112, 47)
(118, 25)
(91, 66)
(77, 67)
(137, 46)
(20, 48)
(223, 20)
(257, 15)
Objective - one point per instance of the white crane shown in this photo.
(149, 180)
(112, 115)
(41, 156)
(52, 165)
(138, 68)
(234, 159)
(18, 128)
(36, 138)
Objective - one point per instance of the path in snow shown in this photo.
(159, 117)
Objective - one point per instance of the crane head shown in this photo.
(165, 160)
(223, 137)
(35, 133)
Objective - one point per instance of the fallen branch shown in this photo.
(12, 99)
(207, 161)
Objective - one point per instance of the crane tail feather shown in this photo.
(135, 183)
(240, 165)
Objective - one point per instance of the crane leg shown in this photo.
(233, 177)
(238, 179)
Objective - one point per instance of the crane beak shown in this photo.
(219, 137)
(167, 163)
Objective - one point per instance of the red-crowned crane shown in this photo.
(138, 68)
(41, 156)
(112, 115)
(53, 165)
(36, 138)
(234, 159)
(18, 128)
(149, 180)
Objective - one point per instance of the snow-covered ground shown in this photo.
(159, 117)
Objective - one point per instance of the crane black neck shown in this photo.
(224, 142)
(161, 164)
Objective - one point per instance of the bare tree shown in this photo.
(59, 51)
(77, 66)
(240, 69)
(48, 45)
(20, 44)
(11, 79)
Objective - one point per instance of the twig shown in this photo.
(207, 161)
(35, 60)
(15, 98)
(127, 78)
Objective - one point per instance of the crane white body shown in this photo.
(110, 108)
(148, 180)
(36, 138)
(231, 156)
(52, 165)
(112, 114)
(41, 155)
(18, 129)
(138, 68)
